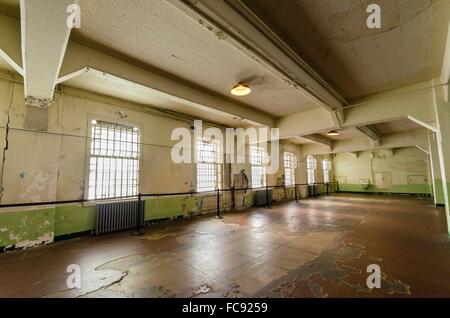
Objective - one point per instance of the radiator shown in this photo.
(260, 198)
(313, 190)
(116, 216)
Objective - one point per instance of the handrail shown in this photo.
(11, 205)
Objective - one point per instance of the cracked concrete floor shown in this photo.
(318, 248)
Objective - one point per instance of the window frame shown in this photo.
(326, 172)
(88, 155)
(218, 165)
(291, 160)
(310, 168)
(256, 166)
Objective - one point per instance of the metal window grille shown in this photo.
(114, 160)
(209, 172)
(258, 161)
(326, 170)
(311, 166)
(289, 168)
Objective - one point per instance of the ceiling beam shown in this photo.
(319, 139)
(370, 132)
(305, 123)
(239, 27)
(80, 59)
(410, 102)
(45, 35)
(399, 140)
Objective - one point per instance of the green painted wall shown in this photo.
(406, 170)
(170, 207)
(27, 228)
(398, 188)
(71, 219)
(438, 191)
(34, 227)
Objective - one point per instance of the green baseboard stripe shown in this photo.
(438, 191)
(22, 229)
(400, 189)
(32, 227)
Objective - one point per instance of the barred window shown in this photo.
(258, 161)
(311, 166)
(289, 168)
(326, 170)
(114, 160)
(209, 169)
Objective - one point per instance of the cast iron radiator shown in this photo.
(261, 197)
(116, 216)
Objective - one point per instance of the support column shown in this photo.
(436, 178)
(442, 113)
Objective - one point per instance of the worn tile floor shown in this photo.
(316, 248)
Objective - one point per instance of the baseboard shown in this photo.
(388, 193)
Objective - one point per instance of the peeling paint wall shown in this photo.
(51, 165)
(404, 170)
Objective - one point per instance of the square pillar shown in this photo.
(442, 113)
(436, 178)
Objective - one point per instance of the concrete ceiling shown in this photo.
(333, 37)
(330, 35)
(398, 126)
(156, 34)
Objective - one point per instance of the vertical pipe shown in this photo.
(327, 188)
(137, 231)
(267, 196)
(218, 205)
(295, 192)
(337, 186)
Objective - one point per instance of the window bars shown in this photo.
(258, 161)
(289, 168)
(209, 172)
(114, 160)
(311, 166)
(326, 170)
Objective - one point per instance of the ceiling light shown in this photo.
(333, 133)
(240, 89)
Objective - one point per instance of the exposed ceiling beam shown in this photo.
(80, 59)
(413, 102)
(45, 35)
(370, 132)
(239, 27)
(319, 139)
(398, 140)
